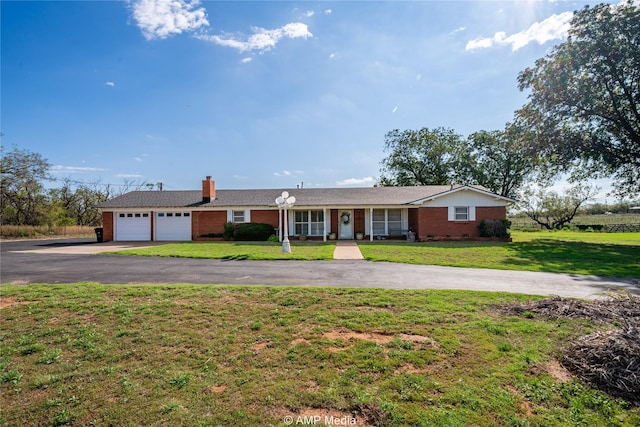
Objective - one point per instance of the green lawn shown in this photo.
(239, 250)
(188, 355)
(602, 254)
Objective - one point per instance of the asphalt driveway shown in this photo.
(79, 260)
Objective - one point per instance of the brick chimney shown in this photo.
(208, 190)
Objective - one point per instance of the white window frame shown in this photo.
(461, 213)
(308, 224)
(386, 221)
(454, 215)
(231, 216)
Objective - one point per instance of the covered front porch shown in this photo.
(346, 223)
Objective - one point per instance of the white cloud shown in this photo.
(356, 181)
(112, 84)
(245, 60)
(553, 28)
(294, 173)
(457, 30)
(74, 169)
(162, 18)
(241, 177)
(129, 175)
(333, 55)
(309, 13)
(137, 159)
(262, 40)
(328, 12)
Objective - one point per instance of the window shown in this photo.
(169, 214)
(129, 215)
(387, 222)
(178, 213)
(145, 215)
(121, 215)
(379, 222)
(186, 214)
(160, 214)
(309, 222)
(394, 222)
(238, 216)
(138, 216)
(461, 213)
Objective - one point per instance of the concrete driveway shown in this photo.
(75, 260)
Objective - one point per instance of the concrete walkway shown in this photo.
(346, 249)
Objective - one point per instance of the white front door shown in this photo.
(345, 224)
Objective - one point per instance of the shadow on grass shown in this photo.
(585, 258)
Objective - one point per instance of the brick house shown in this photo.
(375, 212)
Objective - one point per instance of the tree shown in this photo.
(499, 160)
(79, 203)
(22, 197)
(421, 157)
(552, 210)
(584, 105)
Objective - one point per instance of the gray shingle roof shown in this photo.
(369, 196)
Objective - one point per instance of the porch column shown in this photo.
(371, 224)
(324, 224)
(280, 224)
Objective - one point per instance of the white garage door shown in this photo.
(173, 226)
(133, 226)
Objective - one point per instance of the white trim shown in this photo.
(462, 188)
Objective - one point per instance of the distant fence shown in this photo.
(607, 223)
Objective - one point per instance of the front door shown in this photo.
(345, 224)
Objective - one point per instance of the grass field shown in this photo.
(35, 232)
(238, 250)
(603, 254)
(185, 355)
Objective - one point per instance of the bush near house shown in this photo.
(253, 232)
(495, 228)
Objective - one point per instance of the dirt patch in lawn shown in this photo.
(10, 302)
(377, 337)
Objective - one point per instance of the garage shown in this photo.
(173, 226)
(133, 226)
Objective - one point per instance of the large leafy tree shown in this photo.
(22, 198)
(584, 105)
(499, 160)
(553, 210)
(421, 157)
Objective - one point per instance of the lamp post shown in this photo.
(285, 202)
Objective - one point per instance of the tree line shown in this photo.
(24, 200)
(581, 120)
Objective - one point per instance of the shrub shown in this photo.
(253, 232)
(229, 231)
(495, 228)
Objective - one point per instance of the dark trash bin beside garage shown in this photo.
(99, 234)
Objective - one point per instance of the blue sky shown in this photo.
(265, 94)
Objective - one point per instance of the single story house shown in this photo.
(376, 212)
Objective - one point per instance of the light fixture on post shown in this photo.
(285, 202)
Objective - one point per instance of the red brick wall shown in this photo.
(107, 225)
(265, 217)
(434, 222)
(206, 222)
